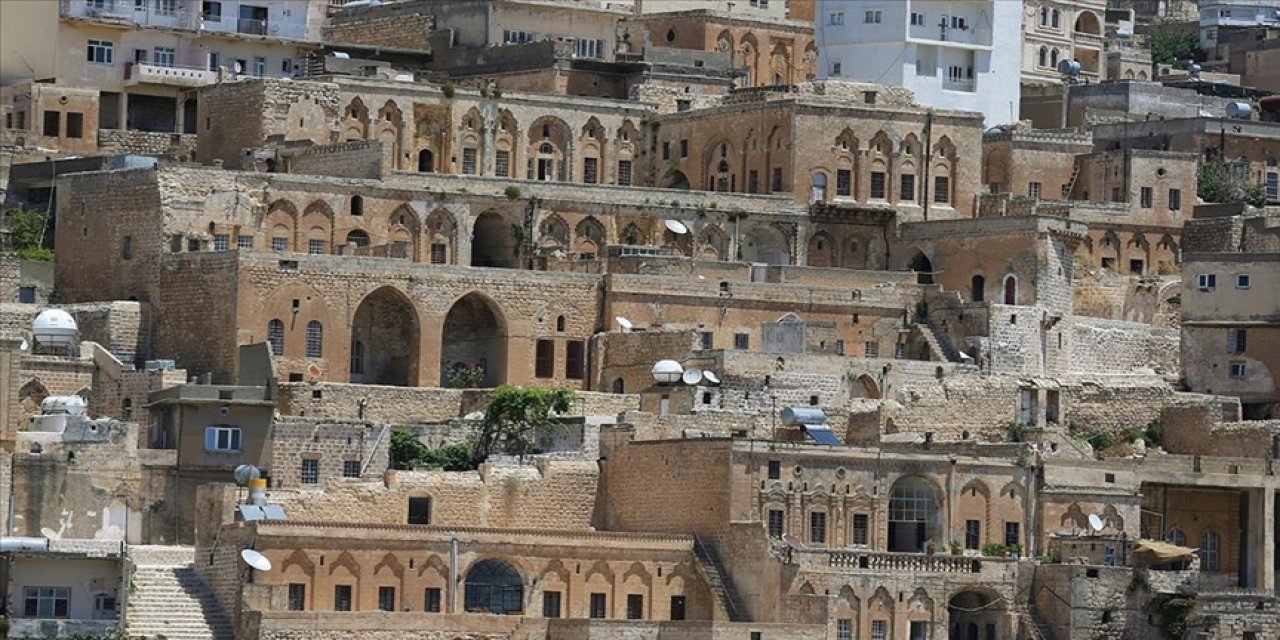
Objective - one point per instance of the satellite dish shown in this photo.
(238, 67)
(255, 560)
(667, 371)
(25, 346)
(624, 323)
(246, 472)
(792, 541)
(677, 227)
(692, 376)
(711, 377)
(1095, 522)
(314, 373)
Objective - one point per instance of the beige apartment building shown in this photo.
(146, 57)
(1059, 30)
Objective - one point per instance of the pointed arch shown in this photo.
(436, 564)
(553, 233)
(389, 562)
(713, 243)
(475, 334)
(345, 561)
(589, 238)
(355, 120)
(822, 251)
(386, 335)
(442, 237)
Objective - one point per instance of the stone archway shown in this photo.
(976, 615)
(384, 340)
(493, 242)
(475, 335)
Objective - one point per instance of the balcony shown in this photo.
(969, 37)
(126, 11)
(894, 563)
(967, 85)
(188, 77)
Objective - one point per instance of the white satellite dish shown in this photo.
(692, 376)
(1095, 522)
(711, 377)
(238, 67)
(255, 560)
(624, 323)
(25, 346)
(793, 542)
(677, 227)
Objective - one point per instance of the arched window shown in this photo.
(923, 268)
(315, 339)
(977, 289)
(275, 337)
(426, 161)
(126, 408)
(619, 386)
(1176, 536)
(1056, 20)
(560, 323)
(358, 238)
(1209, 547)
(913, 514)
(1053, 58)
(1010, 289)
(357, 206)
(1044, 16)
(493, 586)
(1044, 56)
(819, 193)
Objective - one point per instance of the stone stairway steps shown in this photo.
(718, 581)
(171, 600)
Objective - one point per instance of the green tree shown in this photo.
(27, 231)
(1221, 182)
(1170, 46)
(516, 417)
(408, 453)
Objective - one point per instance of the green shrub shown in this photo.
(512, 192)
(448, 89)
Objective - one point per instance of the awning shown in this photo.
(1157, 552)
(821, 434)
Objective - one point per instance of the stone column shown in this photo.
(180, 115)
(122, 116)
(1261, 538)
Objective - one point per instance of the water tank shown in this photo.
(55, 328)
(1239, 110)
(64, 405)
(1069, 68)
(794, 416)
(667, 371)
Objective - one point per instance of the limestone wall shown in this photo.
(179, 146)
(359, 159)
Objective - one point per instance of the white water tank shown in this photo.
(666, 371)
(64, 405)
(55, 328)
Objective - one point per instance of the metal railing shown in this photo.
(960, 84)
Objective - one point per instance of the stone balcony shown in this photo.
(848, 560)
(189, 77)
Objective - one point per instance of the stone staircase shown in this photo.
(1034, 627)
(718, 581)
(939, 343)
(168, 598)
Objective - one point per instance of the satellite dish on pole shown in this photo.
(677, 227)
(624, 323)
(711, 377)
(1095, 523)
(255, 560)
(692, 376)
(792, 541)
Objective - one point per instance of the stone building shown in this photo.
(1057, 31)
(1229, 308)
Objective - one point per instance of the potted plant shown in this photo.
(956, 548)
(930, 547)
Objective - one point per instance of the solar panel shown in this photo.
(250, 512)
(821, 434)
(273, 512)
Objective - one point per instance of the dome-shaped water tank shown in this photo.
(667, 371)
(69, 405)
(55, 328)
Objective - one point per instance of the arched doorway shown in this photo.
(975, 615)
(494, 586)
(493, 242)
(384, 340)
(766, 244)
(977, 289)
(675, 180)
(358, 237)
(1010, 289)
(914, 514)
(923, 268)
(474, 336)
(426, 161)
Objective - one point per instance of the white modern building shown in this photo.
(954, 54)
(1225, 14)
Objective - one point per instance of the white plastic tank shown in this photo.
(667, 371)
(55, 328)
(1239, 110)
(63, 405)
(795, 416)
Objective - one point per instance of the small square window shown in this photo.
(419, 510)
(741, 341)
(1242, 281)
(1206, 281)
(1238, 370)
(351, 468)
(775, 470)
(836, 67)
(706, 340)
(310, 471)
